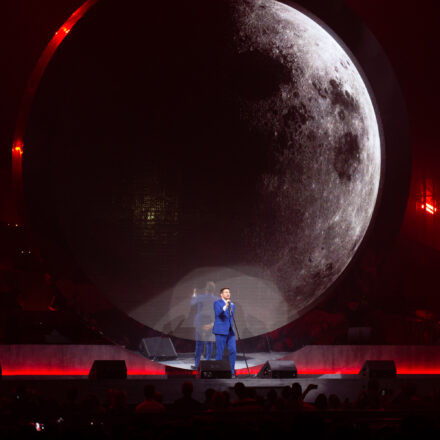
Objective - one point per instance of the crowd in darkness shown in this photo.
(242, 411)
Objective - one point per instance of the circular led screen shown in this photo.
(205, 143)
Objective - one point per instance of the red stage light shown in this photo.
(425, 200)
(34, 80)
(17, 150)
(36, 371)
(429, 208)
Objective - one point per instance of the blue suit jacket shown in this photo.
(223, 320)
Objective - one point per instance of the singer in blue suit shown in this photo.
(223, 328)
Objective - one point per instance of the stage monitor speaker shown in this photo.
(215, 369)
(278, 370)
(114, 369)
(378, 370)
(158, 348)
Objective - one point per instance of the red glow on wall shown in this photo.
(319, 371)
(430, 208)
(17, 153)
(17, 150)
(76, 360)
(70, 360)
(64, 29)
(426, 200)
(31, 88)
(37, 371)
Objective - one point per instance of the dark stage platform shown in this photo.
(73, 360)
(52, 369)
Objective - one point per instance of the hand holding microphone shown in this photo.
(228, 305)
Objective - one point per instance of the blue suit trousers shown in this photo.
(229, 341)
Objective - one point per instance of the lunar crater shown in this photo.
(322, 91)
(297, 116)
(347, 156)
(341, 97)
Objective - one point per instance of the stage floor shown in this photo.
(65, 360)
(52, 369)
(186, 360)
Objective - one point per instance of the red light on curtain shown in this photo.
(64, 29)
(17, 153)
(18, 150)
(425, 200)
(31, 88)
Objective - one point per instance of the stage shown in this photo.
(76, 360)
(254, 360)
(53, 369)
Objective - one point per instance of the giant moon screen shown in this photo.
(204, 143)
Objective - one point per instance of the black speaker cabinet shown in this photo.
(158, 348)
(108, 370)
(278, 370)
(378, 370)
(215, 369)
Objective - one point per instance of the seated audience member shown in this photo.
(334, 402)
(321, 403)
(118, 406)
(209, 393)
(219, 402)
(150, 404)
(186, 403)
(369, 398)
(285, 401)
(407, 398)
(298, 396)
(243, 401)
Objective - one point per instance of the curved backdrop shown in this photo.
(230, 143)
